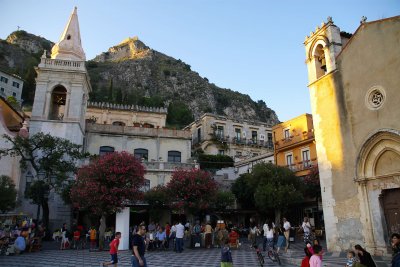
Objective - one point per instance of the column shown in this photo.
(122, 225)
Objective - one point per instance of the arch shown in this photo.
(380, 154)
(119, 123)
(148, 125)
(57, 103)
(106, 150)
(318, 56)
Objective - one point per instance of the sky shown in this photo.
(253, 47)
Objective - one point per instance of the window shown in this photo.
(270, 143)
(15, 84)
(2, 89)
(14, 94)
(146, 186)
(174, 156)
(105, 150)
(220, 132)
(286, 133)
(221, 152)
(238, 134)
(238, 153)
(306, 158)
(254, 136)
(289, 160)
(4, 79)
(199, 134)
(141, 153)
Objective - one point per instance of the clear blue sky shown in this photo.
(254, 47)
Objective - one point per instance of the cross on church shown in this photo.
(18, 28)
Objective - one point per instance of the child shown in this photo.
(226, 255)
(306, 260)
(92, 234)
(315, 260)
(77, 237)
(114, 250)
(351, 259)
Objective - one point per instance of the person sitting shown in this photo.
(160, 238)
(19, 244)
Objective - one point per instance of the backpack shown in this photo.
(197, 229)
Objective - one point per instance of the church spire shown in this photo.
(69, 47)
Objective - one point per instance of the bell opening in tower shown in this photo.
(58, 100)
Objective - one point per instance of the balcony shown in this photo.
(303, 165)
(294, 139)
(62, 64)
(137, 131)
(168, 166)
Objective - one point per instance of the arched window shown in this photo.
(119, 123)
(320, 61)
(148, 125)
(105, 150)
(141, 153)
(174, 156)
(57, 104)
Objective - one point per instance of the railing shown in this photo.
(294, 139)
(62, 64)
(304, 165)
(138, 131)
(168, 166)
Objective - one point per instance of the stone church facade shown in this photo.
(354, 89)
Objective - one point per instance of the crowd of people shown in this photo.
(25, 235)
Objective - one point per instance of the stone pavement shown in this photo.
(244, 256)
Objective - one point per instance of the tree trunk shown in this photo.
(277, 216)
(102, 230)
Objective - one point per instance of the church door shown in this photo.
(391, 207)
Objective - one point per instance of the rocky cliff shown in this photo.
(133, 73)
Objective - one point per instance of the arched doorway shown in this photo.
(378, 176)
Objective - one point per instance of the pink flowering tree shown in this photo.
(108, 184)
(191, 190)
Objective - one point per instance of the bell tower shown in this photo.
(62, 87)
(322, 47)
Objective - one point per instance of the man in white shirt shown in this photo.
(286, 226)
(180, 232)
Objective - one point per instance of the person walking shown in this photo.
(180, 233)
(139, 248)
(307, 230)
(287, 227)
(226, 255)
(268, 235)
(114, 250)
(364, 256)
(281, 239)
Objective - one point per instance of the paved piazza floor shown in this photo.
(197, 257)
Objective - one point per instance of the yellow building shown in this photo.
(295, 145)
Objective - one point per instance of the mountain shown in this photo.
(19, 54)
(133, 73)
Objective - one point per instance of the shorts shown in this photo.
(114, 258)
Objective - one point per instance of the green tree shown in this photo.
(223, 199)
(275, 187)
(179, 114)
(244, 191)
(8, 194)
(52, 159)
(38, 192)
(157, 199)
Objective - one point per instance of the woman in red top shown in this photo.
(306, 260)
(114, 250)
